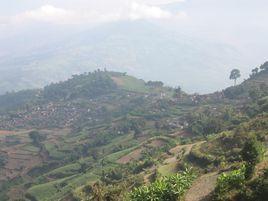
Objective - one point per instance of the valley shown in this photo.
(104, 135)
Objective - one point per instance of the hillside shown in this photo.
(251, 87)
(103, 135)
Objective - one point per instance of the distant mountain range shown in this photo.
(139, 48)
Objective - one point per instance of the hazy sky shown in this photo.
(241, 24)
(238, 22)
(233, 20)
(81, 11)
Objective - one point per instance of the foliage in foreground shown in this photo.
(257, 190)
(170, 188)
(235, 186)
(229, 181)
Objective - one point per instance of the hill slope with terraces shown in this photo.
(109, 132)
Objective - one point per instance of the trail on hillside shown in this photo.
(180, 151)
(202, 187)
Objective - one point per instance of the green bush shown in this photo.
(256, 190)
(261, 188)
(141, 165)
(170, 188)
(199, 158)
(229, 181)
(252, 153)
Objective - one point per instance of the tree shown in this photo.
(264, 66)
(255, 71)
(235, 74)
(178, 92)
(254, 93)
(252, 154)
(36, 137)
(155, 84)
(137, 126)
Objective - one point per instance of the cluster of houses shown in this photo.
(45, 116)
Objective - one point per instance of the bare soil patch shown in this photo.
(134, 155)
(185, 148)
(181, 133)
(118, 81)
(6, 132)
(157, 143)
(19, 162)
(202, 187)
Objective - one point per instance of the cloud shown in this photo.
(4, 20)
(131, 11)
(143, 11)
(46, 13)
(159, 2)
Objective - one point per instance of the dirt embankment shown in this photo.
(202, 187)
(6, 132)
(135, 155)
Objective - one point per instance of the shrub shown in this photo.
(256, 190)
(252, 153)
(30, 197)
(261, 188)
(170, 188)
(199, 158)
(229, 181)
(112, 175)
(138, 167)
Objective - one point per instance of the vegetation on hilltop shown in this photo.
(89, 85)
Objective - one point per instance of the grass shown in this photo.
(66, 170)
(82, 179)
(30, 148)
(130, 83)
(115, 156)
(53, 151)
(65, 147)
(73, 139)
(169, 169)
(126, 140)
(45, 192)
(57, 189)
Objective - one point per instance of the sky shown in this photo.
(81, 11)
(235, 21)
(241, 23)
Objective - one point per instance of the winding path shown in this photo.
(202, 187)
